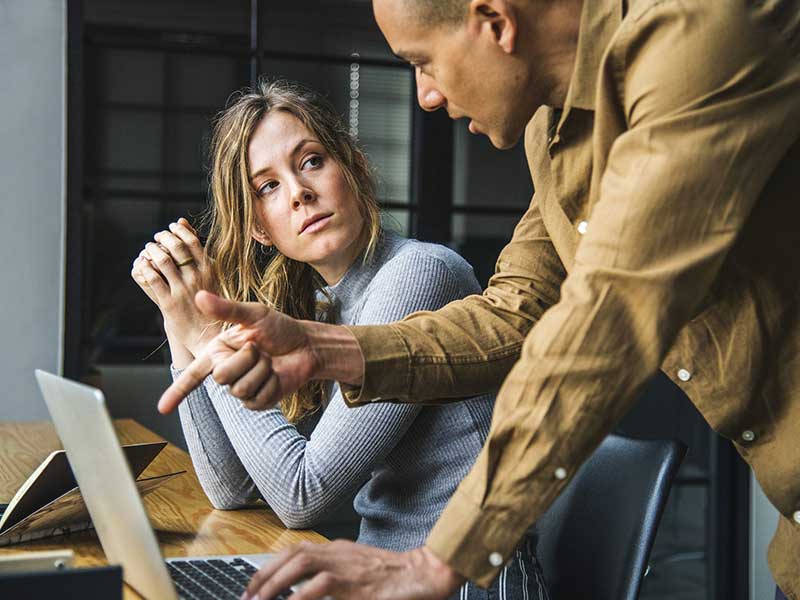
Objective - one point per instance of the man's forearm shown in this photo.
(467, 347)
(337, 353)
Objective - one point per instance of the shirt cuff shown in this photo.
(475, 542)
(387, 366)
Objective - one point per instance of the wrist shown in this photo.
(445, 576)
(181, 356)
(337, 353)
(197, 340)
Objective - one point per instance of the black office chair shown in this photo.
(594, 541)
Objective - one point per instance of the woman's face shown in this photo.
(304, 205)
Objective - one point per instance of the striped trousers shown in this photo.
(520, 579)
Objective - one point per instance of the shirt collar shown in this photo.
(600, 20)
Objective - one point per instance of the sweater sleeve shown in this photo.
(303, 479)
(222, 475)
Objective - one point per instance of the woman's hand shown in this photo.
(171, 272)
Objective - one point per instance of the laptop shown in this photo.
(107, 486)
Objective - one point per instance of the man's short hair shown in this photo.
(439, 12)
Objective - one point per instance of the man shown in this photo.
(661, 137)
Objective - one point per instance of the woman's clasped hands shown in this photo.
(171, 270)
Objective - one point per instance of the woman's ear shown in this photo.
(261, 236)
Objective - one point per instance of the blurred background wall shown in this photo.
(32, 188)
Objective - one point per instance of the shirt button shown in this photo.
(496, 559)
(748, 436)
(561, 473)
(582, 227)
(684, 375)
(796, 517)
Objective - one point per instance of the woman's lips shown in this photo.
(316, 225)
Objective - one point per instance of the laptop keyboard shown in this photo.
(213, 578)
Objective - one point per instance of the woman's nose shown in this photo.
(302, 195)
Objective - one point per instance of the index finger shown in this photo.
(187, 381)
(183, 231)
(185, 222)
(286, 569)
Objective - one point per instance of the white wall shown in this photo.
(32, 199)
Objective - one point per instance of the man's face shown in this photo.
(461, 68)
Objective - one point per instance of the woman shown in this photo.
(295, 224)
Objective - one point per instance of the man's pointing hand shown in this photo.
(264, 357)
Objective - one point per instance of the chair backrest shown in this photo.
(595, 540)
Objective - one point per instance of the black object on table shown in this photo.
(66, 584)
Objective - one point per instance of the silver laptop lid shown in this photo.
(84, 426)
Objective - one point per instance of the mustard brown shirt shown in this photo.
(662, 234)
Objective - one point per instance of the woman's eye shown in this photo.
(313, 161)
(268, 187)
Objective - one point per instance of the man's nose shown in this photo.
(428, 96)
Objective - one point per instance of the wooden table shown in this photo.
(185, 522)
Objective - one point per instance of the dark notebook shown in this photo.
(49, 502)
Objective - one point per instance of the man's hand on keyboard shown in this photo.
(343, 569)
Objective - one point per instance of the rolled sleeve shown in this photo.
(469, 346)
(389, 360)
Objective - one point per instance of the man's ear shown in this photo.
(497, 18)
(261, 236)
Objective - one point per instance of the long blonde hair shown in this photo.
(241, 268)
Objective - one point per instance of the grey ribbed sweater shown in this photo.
(411, 458)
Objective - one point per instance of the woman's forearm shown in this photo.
(222, 475)
(181, 357)
(304, 479)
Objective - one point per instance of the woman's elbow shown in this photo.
(223, 499)
(296, 518)
(224, 503)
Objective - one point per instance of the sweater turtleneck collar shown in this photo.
(350, 289)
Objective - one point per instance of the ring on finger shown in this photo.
(184, 263)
